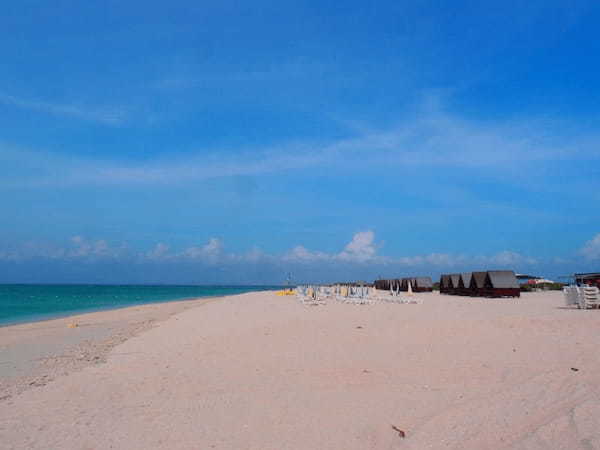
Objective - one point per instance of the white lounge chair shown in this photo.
(591, 297)
(572, 294)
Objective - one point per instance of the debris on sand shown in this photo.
(401, 433)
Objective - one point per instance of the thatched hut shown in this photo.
(455, 282)
(383, 285)
(404, 284)
(465, 279)
(478, 283)
(444, 284)
(423, 284)
(502, 283)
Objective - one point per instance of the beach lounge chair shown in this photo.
(342, 293)
(572, 294)
(591, 296)
(300, 292)
(310, 295)
(359, 295)
(395, 287)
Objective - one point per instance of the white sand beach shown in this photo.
(258, 371)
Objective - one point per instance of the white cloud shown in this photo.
(106, 116)
(433, 259)
(210, 252)
(591, 249)
(508, 258)
(430, 138)
(92, 249)
(78, 249)
(160, 251)
(301, 254)
(360, 249)
(255, 255)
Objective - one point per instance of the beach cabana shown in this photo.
(455, 283)
(413, 283)
(444, 284)
(502, 283)
(466, 283)
(478, 283)
(423, 284)
(383, 285)
(404, 284)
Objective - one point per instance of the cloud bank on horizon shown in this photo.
(358, 258)
(335, 144)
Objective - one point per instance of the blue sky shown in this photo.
(234, 142)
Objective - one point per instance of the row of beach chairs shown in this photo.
(356, 295)
(584, 297)
(312, 295)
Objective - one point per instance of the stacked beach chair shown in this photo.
(584, 297)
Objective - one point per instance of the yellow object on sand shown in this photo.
(73, 325)
(281, 293)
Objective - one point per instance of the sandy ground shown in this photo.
(33, 354)
(257, 371)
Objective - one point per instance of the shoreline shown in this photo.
(83, 312)
(34, 353)
(42, 317)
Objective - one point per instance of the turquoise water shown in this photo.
(27, 303)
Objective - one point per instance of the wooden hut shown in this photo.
(454, 284)
(502, 283)
(465, 278)
(381, 284)
(423, 284)
(478, 283)
(444, 284)
(413, 283)
(404, 284)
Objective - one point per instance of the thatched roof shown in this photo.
(503, 279)
(466, 277)
(454, 279)
(479, 279)
(424, 282)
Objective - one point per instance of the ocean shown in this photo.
(33, 302)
